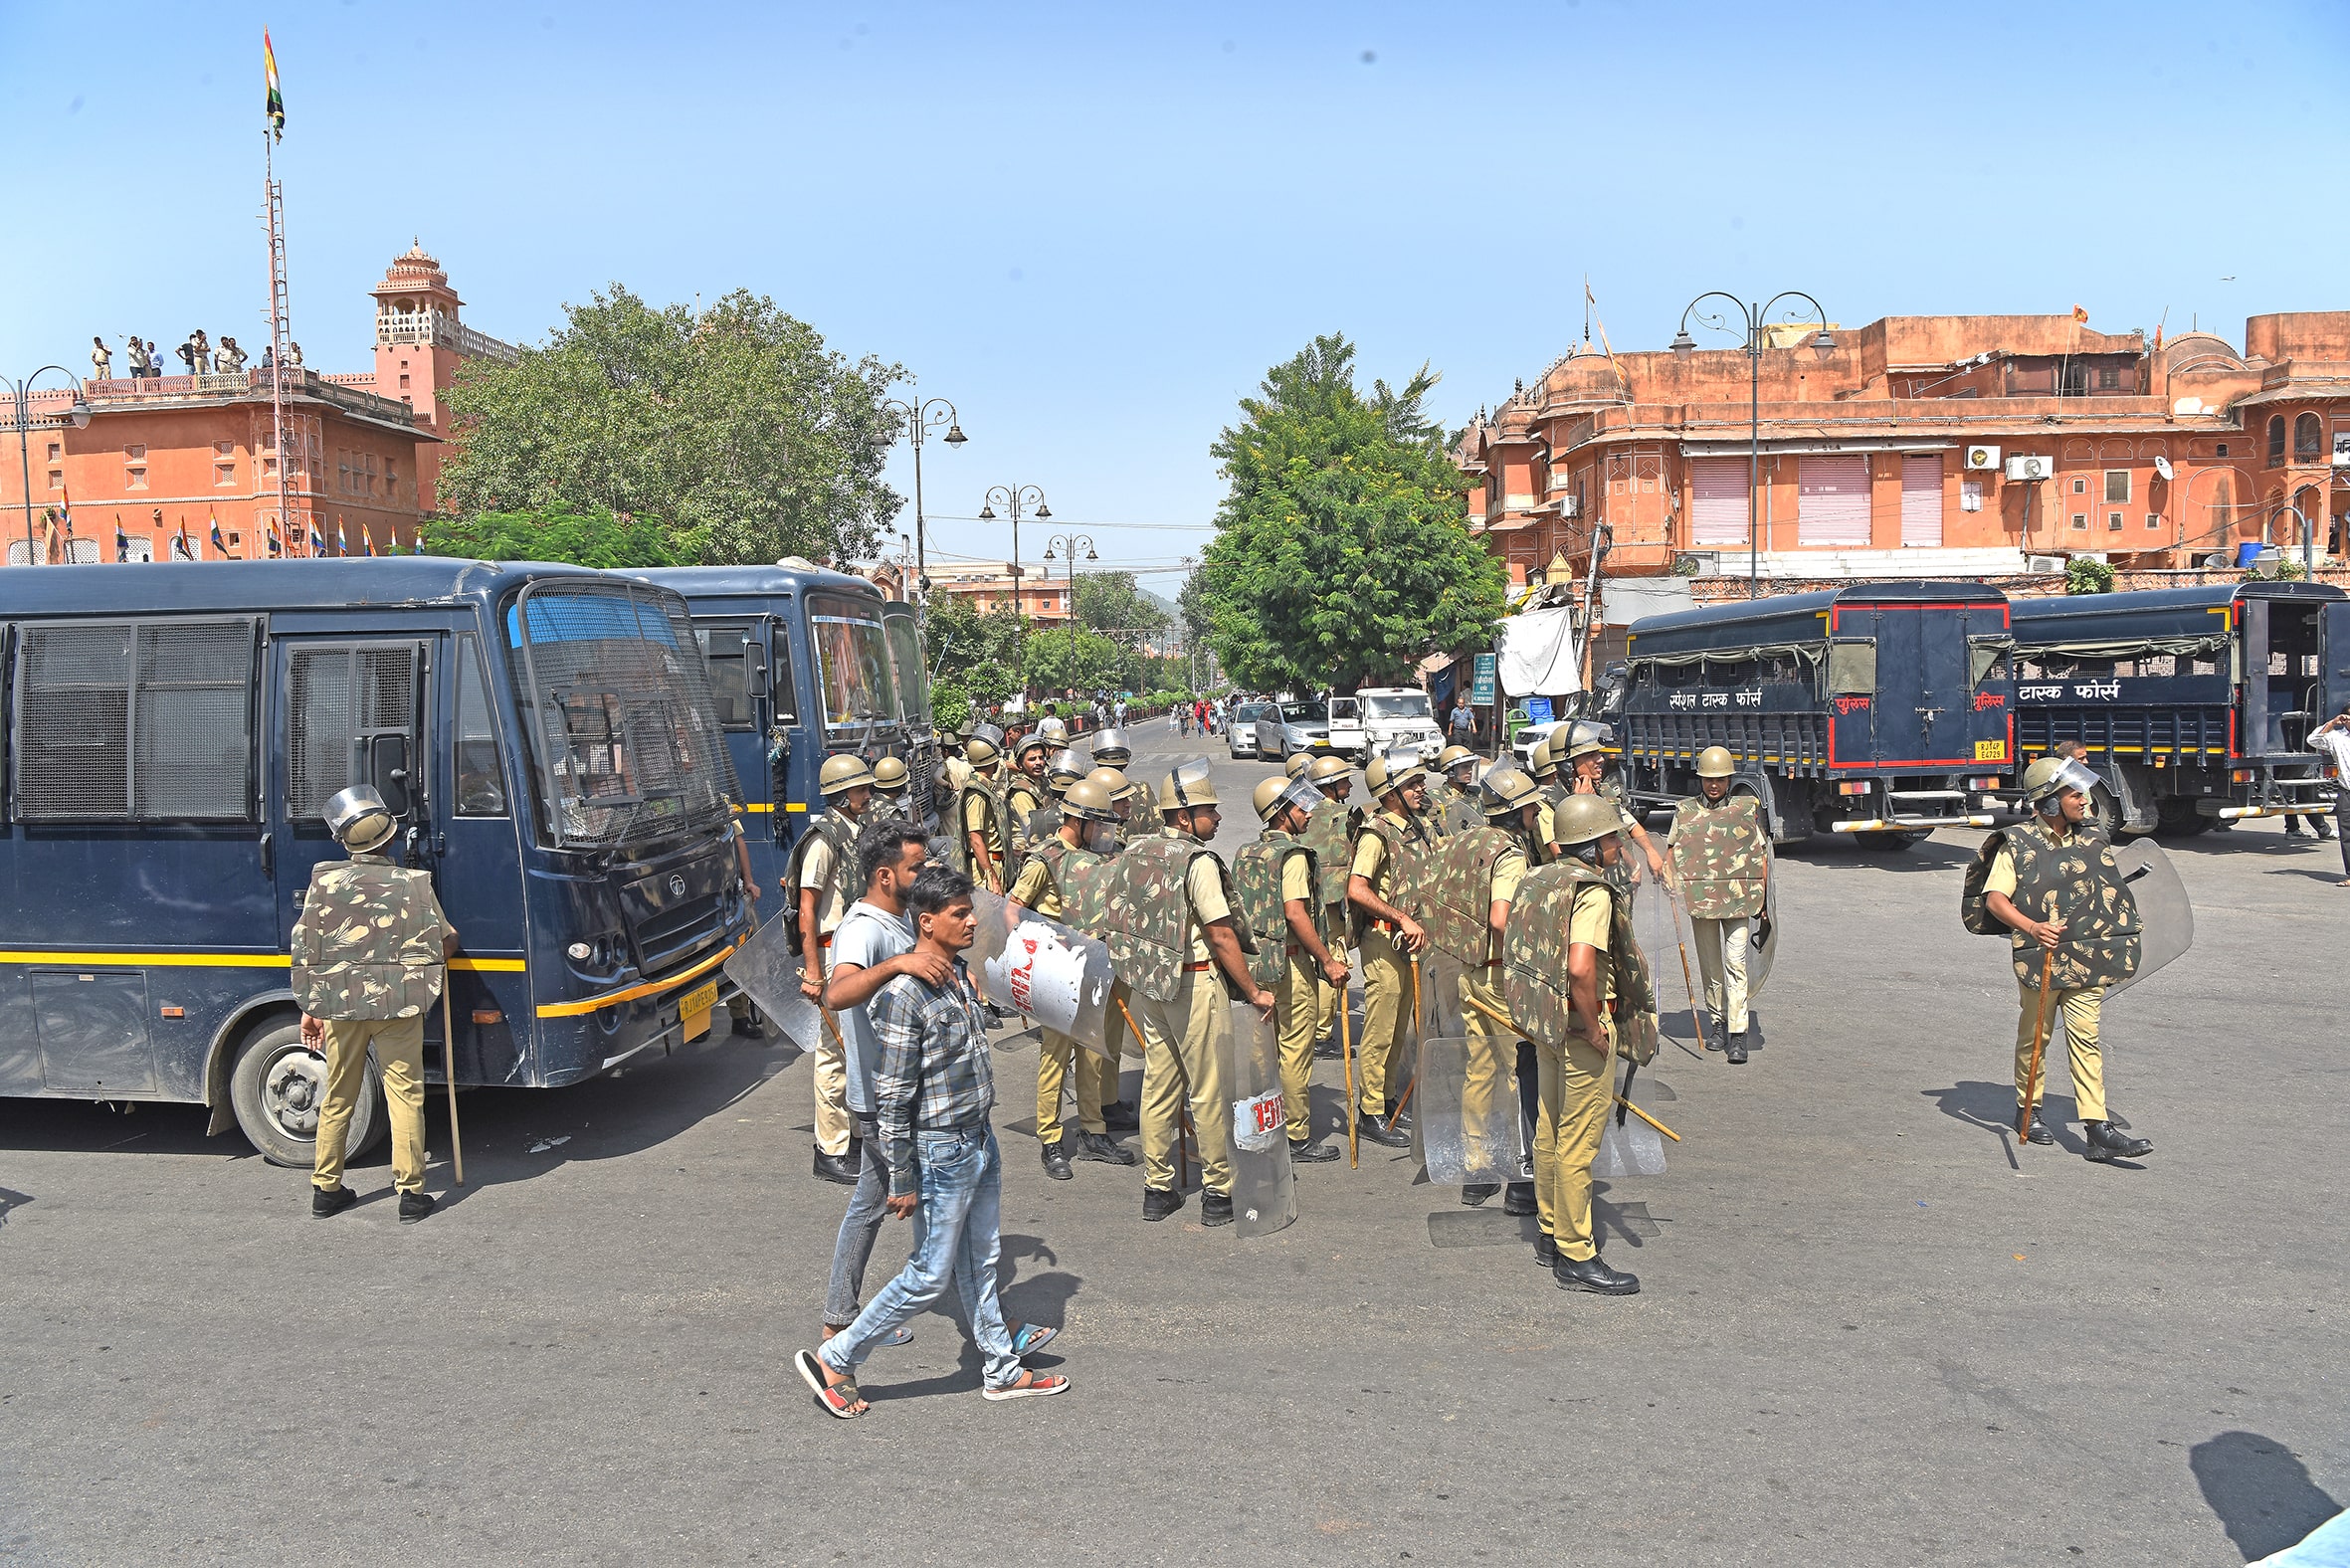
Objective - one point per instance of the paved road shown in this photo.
(1870, 1332)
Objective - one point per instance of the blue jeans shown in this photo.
(858, 1228)
(957, 1228)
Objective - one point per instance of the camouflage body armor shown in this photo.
(1330, 832)
(1719, 855)
(999, 816)
(1534, 952)
(840, 833)
(368, 943)
(1067, 863)
(1143, 910)
(1456, 893)
(1407, 847)
(2073, 881)
(1023, 804)
(1256, 887)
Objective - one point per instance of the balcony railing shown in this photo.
(244, 385)
(434, 329)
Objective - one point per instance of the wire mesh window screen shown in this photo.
(119, 721)
(193, 738)
(334, 695)
(625, 730)
(72, 723)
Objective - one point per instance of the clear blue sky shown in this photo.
(1095, 226)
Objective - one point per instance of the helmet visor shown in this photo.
(2070, 774)
(989, 733)
(1299, 793)
(1187, 778)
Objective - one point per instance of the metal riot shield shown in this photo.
(1264, 1193)
(1031, 964)
(769, 975)
(1634, 1149)
(2166, 920)
(1760, 951)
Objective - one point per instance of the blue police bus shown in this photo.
(806, 662)
(1879, 709)
(2193, 703)
(545, 734)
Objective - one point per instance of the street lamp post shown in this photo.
(1067, 544)
(921, 419)
(1016, 499)
(1755, 318)
(78, 413)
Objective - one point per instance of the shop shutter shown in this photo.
(1832, 501)
(1921, 499)
(1717, 511)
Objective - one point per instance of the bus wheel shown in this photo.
(277, 1090)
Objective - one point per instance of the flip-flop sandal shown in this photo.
(838, 1399)
(1035, 1387)
(1033, 1336)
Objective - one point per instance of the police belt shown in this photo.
(1193, 969)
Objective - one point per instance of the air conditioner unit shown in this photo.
(1982, 456)
(2032, 467)
(2044, 563)
(1570, 506)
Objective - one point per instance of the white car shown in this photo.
(1379, 720)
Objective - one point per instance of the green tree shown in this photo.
(1342, 552)
(735, 426)
(1058, 660)
(594, 537)
(1112, 603)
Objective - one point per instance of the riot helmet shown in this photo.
(985, 744)
(1189, 785)
(1582, 738)
(1090, 800)
(1324, 773)
(841, 774)
(1716, 762)
(1111, 747)
(1034, 740)
(1065, 768)
(2046, 781)
(1583, 819)
(1119, 786)
(359, 819)
(1393, 771)
(1299, 762)
(1505, 790)
(1451, 757)
(1273, 795)
(890, 778)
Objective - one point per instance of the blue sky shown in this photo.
(1095, 226)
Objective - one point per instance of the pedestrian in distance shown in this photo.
(1465, 722)
(933, 1088)
(1721, 863)
(2331, 740)
(819, 879)
(873, 946)
(371, 957)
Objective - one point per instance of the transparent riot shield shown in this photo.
(1659, 928)
(1634, 1149)
(1264, 1193)
(770, 976)
(2166, 920)
(1466, 1110)
(1042, 969)
(1760, 953)
(1439, 994)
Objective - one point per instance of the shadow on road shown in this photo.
(1838, 848)
(2260, 1490)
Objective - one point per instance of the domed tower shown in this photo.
(419, 343)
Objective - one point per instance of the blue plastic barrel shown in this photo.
(2249, 551)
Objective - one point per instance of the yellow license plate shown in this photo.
(693, 1009)
(1991, 751)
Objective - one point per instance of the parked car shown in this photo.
(1293, 728)
(1241, 738)
(1379, 720)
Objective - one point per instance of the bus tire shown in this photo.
(277, 1090)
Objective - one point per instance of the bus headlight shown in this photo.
(580, 952)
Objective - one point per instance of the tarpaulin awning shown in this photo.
(1538, 654)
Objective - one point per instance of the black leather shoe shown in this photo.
(2037, 1131)
(1158, 1202)
(414, 1205)
(1056, 1163)
(1592, 1275)
(1398, 1118)
(1328, 1050)
(1215, 1208)
(2108, 1143)
(1477, 1192)
(836, 1168)
(1375, 1131)
(1312, 1153)
(1118, 1116)
(1545, 1251)
(327, 1202)
(1518, 1198)
(748, 1029)
(1097, 1146)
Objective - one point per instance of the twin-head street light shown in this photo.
(78, 414)
(1755, 318)
(1067, 544)
(1017, 499)
(920, 419)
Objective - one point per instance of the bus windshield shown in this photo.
(1402, 704)
(906, 656)
(625, 739)
(853, 664)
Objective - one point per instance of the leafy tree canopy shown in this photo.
(1342, 552)
(594, 537)
(1111, 603)
(735, 426)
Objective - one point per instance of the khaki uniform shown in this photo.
(2081, 1010)
(819, 873)
(1060, 1059)
(1182, 1054)
(1493, 1050)
(1387, 981)
(1297, 1010)
(1574, 1086)
(979, 816)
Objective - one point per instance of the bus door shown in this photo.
(473, 843)
(2334, 683)
(791, 774)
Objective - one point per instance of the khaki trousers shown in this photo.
(1329, 998)
(1387, 1025)
(1296, 1016)
(1573, 1087)
(833, 1121)
(1182, 1063)
(2078, 1012)
(1721, 967)
(1492, 1058)
(1064, 1064)
(398, 1054)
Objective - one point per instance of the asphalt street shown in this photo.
(1871, 1331)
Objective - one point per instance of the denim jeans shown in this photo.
(956, 1236)
(859, 1226)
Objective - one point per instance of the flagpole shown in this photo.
(274, 196)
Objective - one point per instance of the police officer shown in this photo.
(1111, 751)
(1065, 768)
(370, 955)
(820, 879)
(1512, 802)
(1585, 759)
(1722, 862)
(890, 781)
(2055, 885)
(1117, 1114)
(1024, 790)
(1276, 879)
(1452, 805)
(954, 771)
(983, 839)
(1330, 832)
(1087, 835)
(1388, 937)
(1577, 1075)
(1299, 762)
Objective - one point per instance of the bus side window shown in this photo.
(731, 691)
(785, 691)
(480, 786)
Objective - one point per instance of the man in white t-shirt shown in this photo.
(2331, 740)
(871, 946)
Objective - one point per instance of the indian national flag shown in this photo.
(276, 110)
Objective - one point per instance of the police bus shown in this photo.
(546, 735)
(807, 663)
(1879, 709)
(2193, 703)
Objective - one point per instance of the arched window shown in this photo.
(2277, 440)
(2309, 440)
(2310, 506)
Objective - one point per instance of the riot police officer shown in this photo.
(1452, 799)
(891, 782)
(370, 955)
(1584, 757)
(1722, 862)
(820, 880)
(1389, 937)
(1277, 879)
(982, 830)
(1024, 790)
(1111, 751)
(1330, 832)
(1065, 768)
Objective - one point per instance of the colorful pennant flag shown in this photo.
(275, 109)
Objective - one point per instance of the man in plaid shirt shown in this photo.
(932, 1091)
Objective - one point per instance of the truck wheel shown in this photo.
(2175, 817)
(1891, 842)
(277, 1090)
